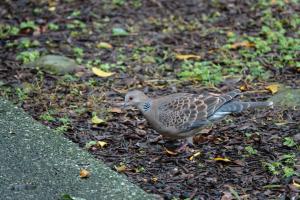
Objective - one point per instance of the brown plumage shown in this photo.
(181, 115)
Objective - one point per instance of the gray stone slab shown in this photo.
(37, 163)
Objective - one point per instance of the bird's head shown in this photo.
(135, 98)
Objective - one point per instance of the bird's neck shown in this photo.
(145, 106)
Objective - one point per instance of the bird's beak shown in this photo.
(124, 105)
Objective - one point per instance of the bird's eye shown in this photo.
(130, 98)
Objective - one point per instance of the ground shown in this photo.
(162, 47)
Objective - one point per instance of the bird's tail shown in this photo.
(237, 106)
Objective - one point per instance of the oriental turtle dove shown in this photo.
(182, 115)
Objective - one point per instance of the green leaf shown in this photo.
(119, 32)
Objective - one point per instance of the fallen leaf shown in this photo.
(187, 56)
(273, 88)
(101, 73)
(97, 120)
(154, 179)
(195, 155)
(84, 173)
(121, 168)
(169, 152)
(115, 110)
(230, 34)
(90, 144)
(297, 185)
(119, 32)
(104, 45)
(222, 159)
(101, 144)
(242, 44)
(243, 87)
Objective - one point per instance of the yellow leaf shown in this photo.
(230, 34)
(97, 120)
(104, 45)
(101, 73)
(273, 88)
(170, 152)
(120, 168)
(222, 159)
(243, 88)
(187, 56)
(101, 144)
(242, 44)
(297, 185)
(194, 156)
(154, 179)
(84, 173)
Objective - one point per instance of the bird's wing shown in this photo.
(185, 112)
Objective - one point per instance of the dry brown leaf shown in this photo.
(115, 110)
(242, 44)
(154, 179)
(84, 173)
(273, 88)
(101, 73)
(169, 152)
(187, 56)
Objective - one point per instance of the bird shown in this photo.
(183, 115)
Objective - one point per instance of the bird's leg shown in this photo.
(187, 143)
(156, 139)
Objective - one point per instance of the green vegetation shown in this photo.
(53, 26)
(7, 30)
(250, 150)
(28, 56)
(207, 72)
(288, 141)
(65, 124)
(28, 25)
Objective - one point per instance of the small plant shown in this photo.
(66, 122)
(28, 25)
(28, 56)
(118, 2)
(273, 167)
(8, 30)
(78, 51)
(22, 94)
(47, 117)
(288, 172)
(75, 13)
(289, 158)
(288, 141)
(205, 71)
(250, 150)
(26, 43)
(76, 24)
(53, 27)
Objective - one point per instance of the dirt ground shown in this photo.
(246, 156)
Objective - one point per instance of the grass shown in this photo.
(272, 47)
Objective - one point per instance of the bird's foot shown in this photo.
(187, 144)
(156, 139)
